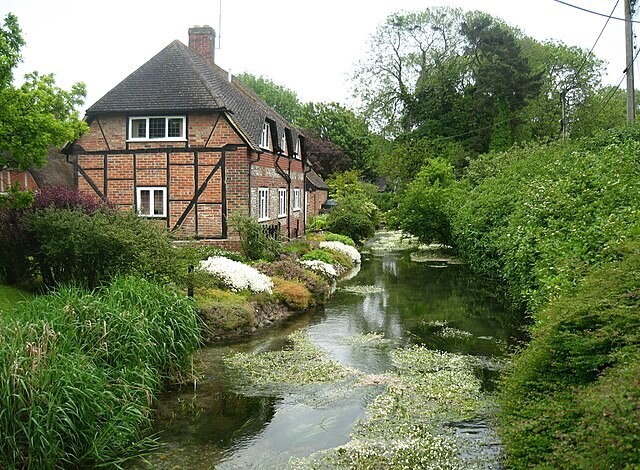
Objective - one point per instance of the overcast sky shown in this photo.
(308, 46)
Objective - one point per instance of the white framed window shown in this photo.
(263, 204)
(144, 128)
(282, 202)
(296, 199)
(283, 145)
(266, 132)
(151, 201)
(298, 154)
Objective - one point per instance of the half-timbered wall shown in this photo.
(205, 178)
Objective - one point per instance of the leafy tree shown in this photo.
(326, 157)
(569, 74)
(422, 210)
(335, 123)
(403, 49)
(37, 114)
(280, 98)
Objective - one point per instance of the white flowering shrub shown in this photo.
(350, 251)
(237, 276)
(320, 267)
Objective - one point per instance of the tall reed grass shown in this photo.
(79, 371)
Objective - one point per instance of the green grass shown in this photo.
(79, 371)
(10, 296)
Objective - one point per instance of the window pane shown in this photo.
(158, 203)
(138, 128)
(144, 204)
(175, 127)
(157, 128)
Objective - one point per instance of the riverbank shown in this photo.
(294, 284)
(558, 225)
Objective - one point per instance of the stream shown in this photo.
(397, 298)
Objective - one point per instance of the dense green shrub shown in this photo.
(79, 371)
(254, 243)
(538, 217)
(336, 237)
(558, 224)
(571, 399)
(354, 217)
(317, 223)
(423, 206)
(70, 246)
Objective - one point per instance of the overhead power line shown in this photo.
(592, 12)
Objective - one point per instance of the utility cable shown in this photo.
(592, 12)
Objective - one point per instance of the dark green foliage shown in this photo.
(254, 243)
(37, 114)
(558, 224)
(423, 207)
(79, 371)
(571, 398)
(70, 246)
(354, 218)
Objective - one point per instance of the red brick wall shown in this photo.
(183, 172)
(23, 178)
(315, 199)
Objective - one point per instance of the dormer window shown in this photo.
(298, 154)
(266, 132)
(283, 145)
(157, 128)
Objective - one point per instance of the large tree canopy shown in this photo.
(470, 78)
(35, 115)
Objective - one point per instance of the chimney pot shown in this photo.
(202, 39)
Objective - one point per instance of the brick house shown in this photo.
(317, 192)
(55, 172)
(184, 143)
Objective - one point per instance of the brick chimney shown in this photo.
(202, 39)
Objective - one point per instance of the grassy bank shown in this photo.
(10, 296)
(79, 372)
(558, 224)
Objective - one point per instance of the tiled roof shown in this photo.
(315, 180)
(179, 79)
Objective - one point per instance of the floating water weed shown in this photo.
(302, 364)
(405, 425)
(376, 340)
(448, 332)
(362, 290)
(392, 241)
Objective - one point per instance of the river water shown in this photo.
(224, 424)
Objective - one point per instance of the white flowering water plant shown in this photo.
(320, 267)
(237, 276)
(340, 247)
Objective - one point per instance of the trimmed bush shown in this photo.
(70, 246)
(290, 270)
(336, 237)
(293, 294)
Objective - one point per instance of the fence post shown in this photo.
(190, 282)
